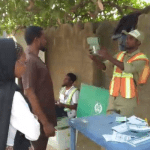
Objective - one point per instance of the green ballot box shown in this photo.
(92, 101)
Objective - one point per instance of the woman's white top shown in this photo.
(23, 120)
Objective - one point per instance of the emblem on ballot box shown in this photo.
(98, 108)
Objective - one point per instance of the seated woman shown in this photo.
(18, 126)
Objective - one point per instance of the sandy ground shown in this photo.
(83, 143)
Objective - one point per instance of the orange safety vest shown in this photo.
(123, 82)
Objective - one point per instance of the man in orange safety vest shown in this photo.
(131, 68)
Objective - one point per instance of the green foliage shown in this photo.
(45, 13)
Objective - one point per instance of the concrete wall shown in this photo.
(143, 109)
(68, 52)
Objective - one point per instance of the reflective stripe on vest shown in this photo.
(69, 98)
(122, 82)
(145, 74)
(63, 90)
(114, 87)
(120, 57)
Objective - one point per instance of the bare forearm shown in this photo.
(36, 108)
(105, 55)
(116, 62)
(70, 106)
(99, 64)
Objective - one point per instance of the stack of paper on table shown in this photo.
(121, 128)
(135, 131)
(117, 137)
(136, 120)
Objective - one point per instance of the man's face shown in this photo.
(67, 81)
(42, 42)
(131, 42)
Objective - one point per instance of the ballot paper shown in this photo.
(134, 131)
(117, 137)
(139, 128)
(133, 123)
(122, 138)
(136, 120)
(121, 128)
(107, 137)
(138, 141)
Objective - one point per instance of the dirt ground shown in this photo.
(83, 143)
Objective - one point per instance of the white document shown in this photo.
(138, 128)
(136, 120)
(117, 137)
(138, 141)
(120, 137)
(107, 137)
(121, 128)
(133, 123)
